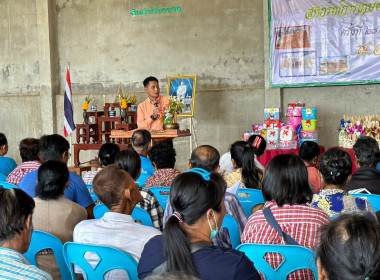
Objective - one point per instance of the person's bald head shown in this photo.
(206, 157)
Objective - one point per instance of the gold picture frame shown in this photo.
(183, 87)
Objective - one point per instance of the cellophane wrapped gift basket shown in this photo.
(352, 127)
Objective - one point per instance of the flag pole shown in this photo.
(71, 160)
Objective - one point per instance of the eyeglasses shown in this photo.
(204, 173)
(68, 154)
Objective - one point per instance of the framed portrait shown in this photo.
(183, 88)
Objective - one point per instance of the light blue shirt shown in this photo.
(76, 192)
(13, 265)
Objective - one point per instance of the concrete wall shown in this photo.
(223, 42)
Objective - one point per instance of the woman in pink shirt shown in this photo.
(309, 152)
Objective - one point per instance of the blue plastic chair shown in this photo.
(161, 197)
(255, 197)
(92, 193)
(7, 185)
(43, 240)
(137, 214)
(233, 230)
(373, 199)
(294, 258)
(109, 259)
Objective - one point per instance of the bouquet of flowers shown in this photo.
(174, 107)
(87, 101)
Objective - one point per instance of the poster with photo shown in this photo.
(183, 88)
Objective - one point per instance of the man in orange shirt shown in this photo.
(148, 112)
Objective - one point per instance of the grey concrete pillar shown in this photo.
(272, 95)
(48, 63)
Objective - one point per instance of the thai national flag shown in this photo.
(68, 119)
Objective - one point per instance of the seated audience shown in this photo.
(309, 153)
(287, 194)
(246, 174)
(16, 228)
(163, 159)
(367, 155)
(29, 149)
(207, 157)
(349, 249)
(107, 153)
(141, 143)
(129, 160)
(6, 164)
(258, 143)
(197, 200)
(54, 213)
(336, 167)
(119, 193)
(56, 147)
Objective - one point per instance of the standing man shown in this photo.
(148, 112)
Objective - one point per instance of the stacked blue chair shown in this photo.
(233, 230)
(162, 195)
(109, 259)
(43, 240)
(251, 198)
(294, 258)
(373, 199)
(137, 214)
(6, 185)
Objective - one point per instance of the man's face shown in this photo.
(153, 90)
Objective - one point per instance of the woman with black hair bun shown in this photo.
(197, 198)
(54, 213)
(349, 249)
(336, 168)
(6, 164)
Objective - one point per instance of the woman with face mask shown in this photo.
(197, 198)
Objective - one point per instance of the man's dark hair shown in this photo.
(52, 178)
(109, 185)
(3, 139)
(107, 153)
(53, 146)
(366, 150)
(286, 181)
(206, 157)
(15, 207)
(163, 155)
(141, 139)
(309, 150)
(349, 247)
(29, 148)
(149, 79)
(129, 160)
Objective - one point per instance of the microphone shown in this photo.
(155, 105)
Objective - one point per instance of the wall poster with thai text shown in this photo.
(324, 42)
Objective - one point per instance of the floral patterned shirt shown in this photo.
(337, 201)
(162, 178)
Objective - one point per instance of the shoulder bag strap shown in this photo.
(273, 223)
(194, 247)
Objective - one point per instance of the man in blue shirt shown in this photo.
(141, 143)
(56, 147)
